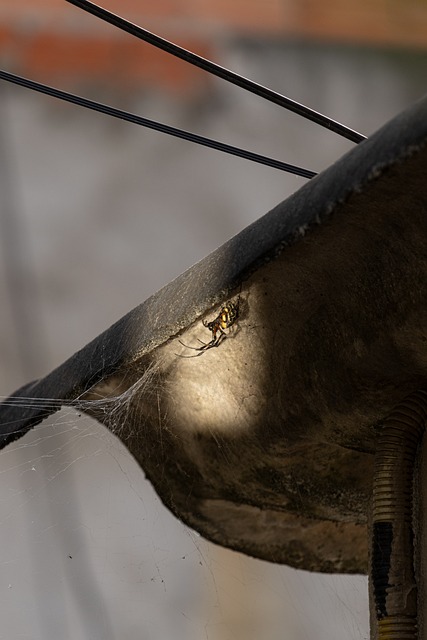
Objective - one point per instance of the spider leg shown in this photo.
(184, 345)
(218, 341)
(215, 342)
(196, 355)
(202, 348)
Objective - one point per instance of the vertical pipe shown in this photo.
(393, 587)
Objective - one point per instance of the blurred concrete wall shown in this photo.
(107, 214)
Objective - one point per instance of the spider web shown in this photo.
(105, 555)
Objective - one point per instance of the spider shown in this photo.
(224, 320)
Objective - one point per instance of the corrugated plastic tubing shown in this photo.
(392, 574)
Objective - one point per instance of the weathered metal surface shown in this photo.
(265, 443)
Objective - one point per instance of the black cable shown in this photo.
(217, 70)
(157, 126)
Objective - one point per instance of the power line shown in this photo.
(152, 124)
(217, 70)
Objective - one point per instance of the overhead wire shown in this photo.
(203, 63)
(218, 70)
(152, 124)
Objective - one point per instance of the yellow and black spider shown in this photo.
(224, 320)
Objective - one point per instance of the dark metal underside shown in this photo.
(332, 331)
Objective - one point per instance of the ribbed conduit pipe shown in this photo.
(393, 582)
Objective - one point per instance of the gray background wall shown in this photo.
(107, 214)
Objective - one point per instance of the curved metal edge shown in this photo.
(175, 306)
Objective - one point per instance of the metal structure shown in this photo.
(266, 443)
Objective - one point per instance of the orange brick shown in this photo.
(50, 39)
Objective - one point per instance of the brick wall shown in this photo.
(52, 40)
